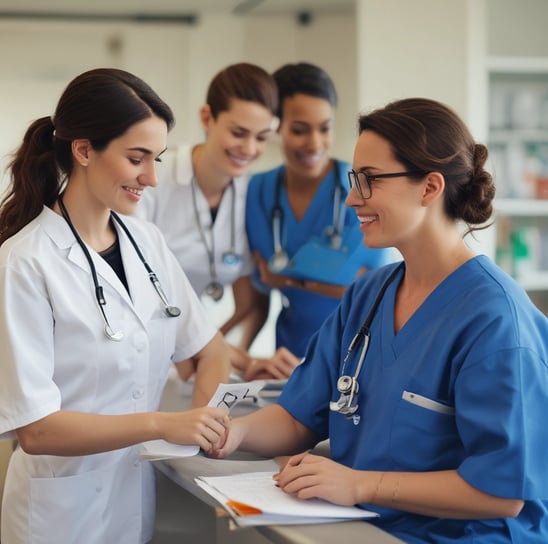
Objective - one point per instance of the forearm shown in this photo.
(272, 431)
(325, 289)
(212, 368)
(76, 433)
(250, 311)
(442, 494)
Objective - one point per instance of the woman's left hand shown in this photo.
(308, 476)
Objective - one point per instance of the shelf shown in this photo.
(518, 65)
(518, 135)
(521, 207)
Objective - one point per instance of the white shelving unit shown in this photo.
(518, 142)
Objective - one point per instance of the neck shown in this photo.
(211, 180)
(305, 186)
(92, 225)
(427, 266)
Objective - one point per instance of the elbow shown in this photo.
(513, 508)
(28, 441)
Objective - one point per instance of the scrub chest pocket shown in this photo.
(424, 431)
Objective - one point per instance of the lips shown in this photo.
(367, 219)
(134, 190)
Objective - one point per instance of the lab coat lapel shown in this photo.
(144, 299)
(105, 274)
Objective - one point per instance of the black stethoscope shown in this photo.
(348, 387)
(280, 258)
(171, 311)
(214, 288)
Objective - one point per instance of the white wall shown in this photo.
(37, 59)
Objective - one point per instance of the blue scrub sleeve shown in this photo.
(502, 422)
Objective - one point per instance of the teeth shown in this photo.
(134, 191)
(241, 162)
(367, 218)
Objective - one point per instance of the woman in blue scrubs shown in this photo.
(439, 423)
(302, 201)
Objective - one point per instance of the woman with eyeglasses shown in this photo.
(306, 245)
(94, 310)
(199, 205)
(431, 377)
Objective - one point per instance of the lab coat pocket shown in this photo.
(424, 434)
(71, 509)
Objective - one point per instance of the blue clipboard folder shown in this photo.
(318, 261)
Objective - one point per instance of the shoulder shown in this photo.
(35, 240)
(268, 177)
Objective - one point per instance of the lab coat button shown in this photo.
(137, 393)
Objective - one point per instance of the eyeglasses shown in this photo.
(362, 181)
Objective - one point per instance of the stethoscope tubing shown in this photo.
(347, 405)
(171, 311)
(214, 288)
(277, 218)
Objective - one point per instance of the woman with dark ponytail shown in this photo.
(94, 309)
(431, 377)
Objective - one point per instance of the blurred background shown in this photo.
(488, 59)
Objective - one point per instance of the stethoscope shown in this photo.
(348, 387)
(171, 311)
(280, 259)
(214, 288)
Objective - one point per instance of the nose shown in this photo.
(353, 198)
(250, 147)
(149, 177)
(315, 141)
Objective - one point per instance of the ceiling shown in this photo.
(99, 9)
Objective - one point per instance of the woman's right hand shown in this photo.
(278, 367)
(207, 427)
(233, 438)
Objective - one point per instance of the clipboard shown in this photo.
(318, 261)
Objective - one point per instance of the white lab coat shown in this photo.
(55, 356)
(170, 207)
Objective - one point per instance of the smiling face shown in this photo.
(237, 137)
(306, 129)
(116, 176)
(394, 213)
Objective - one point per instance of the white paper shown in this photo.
(226, 396)
(259, 490)
(160, 449)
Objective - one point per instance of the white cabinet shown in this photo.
(518, 145)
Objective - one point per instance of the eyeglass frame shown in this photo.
(353, 175)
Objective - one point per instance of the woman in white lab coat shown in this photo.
(199, 205)
(94, 309)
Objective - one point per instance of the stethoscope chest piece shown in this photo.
(231, 258)
(111, 334)
(278, 261)
(215, 290)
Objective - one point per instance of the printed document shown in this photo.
(254, 499)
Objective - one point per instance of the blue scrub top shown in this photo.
(463, 385)
(303, 312)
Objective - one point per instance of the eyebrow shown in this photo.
(307, 124)
(244, 129)
(365, 168)
(145, 150)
